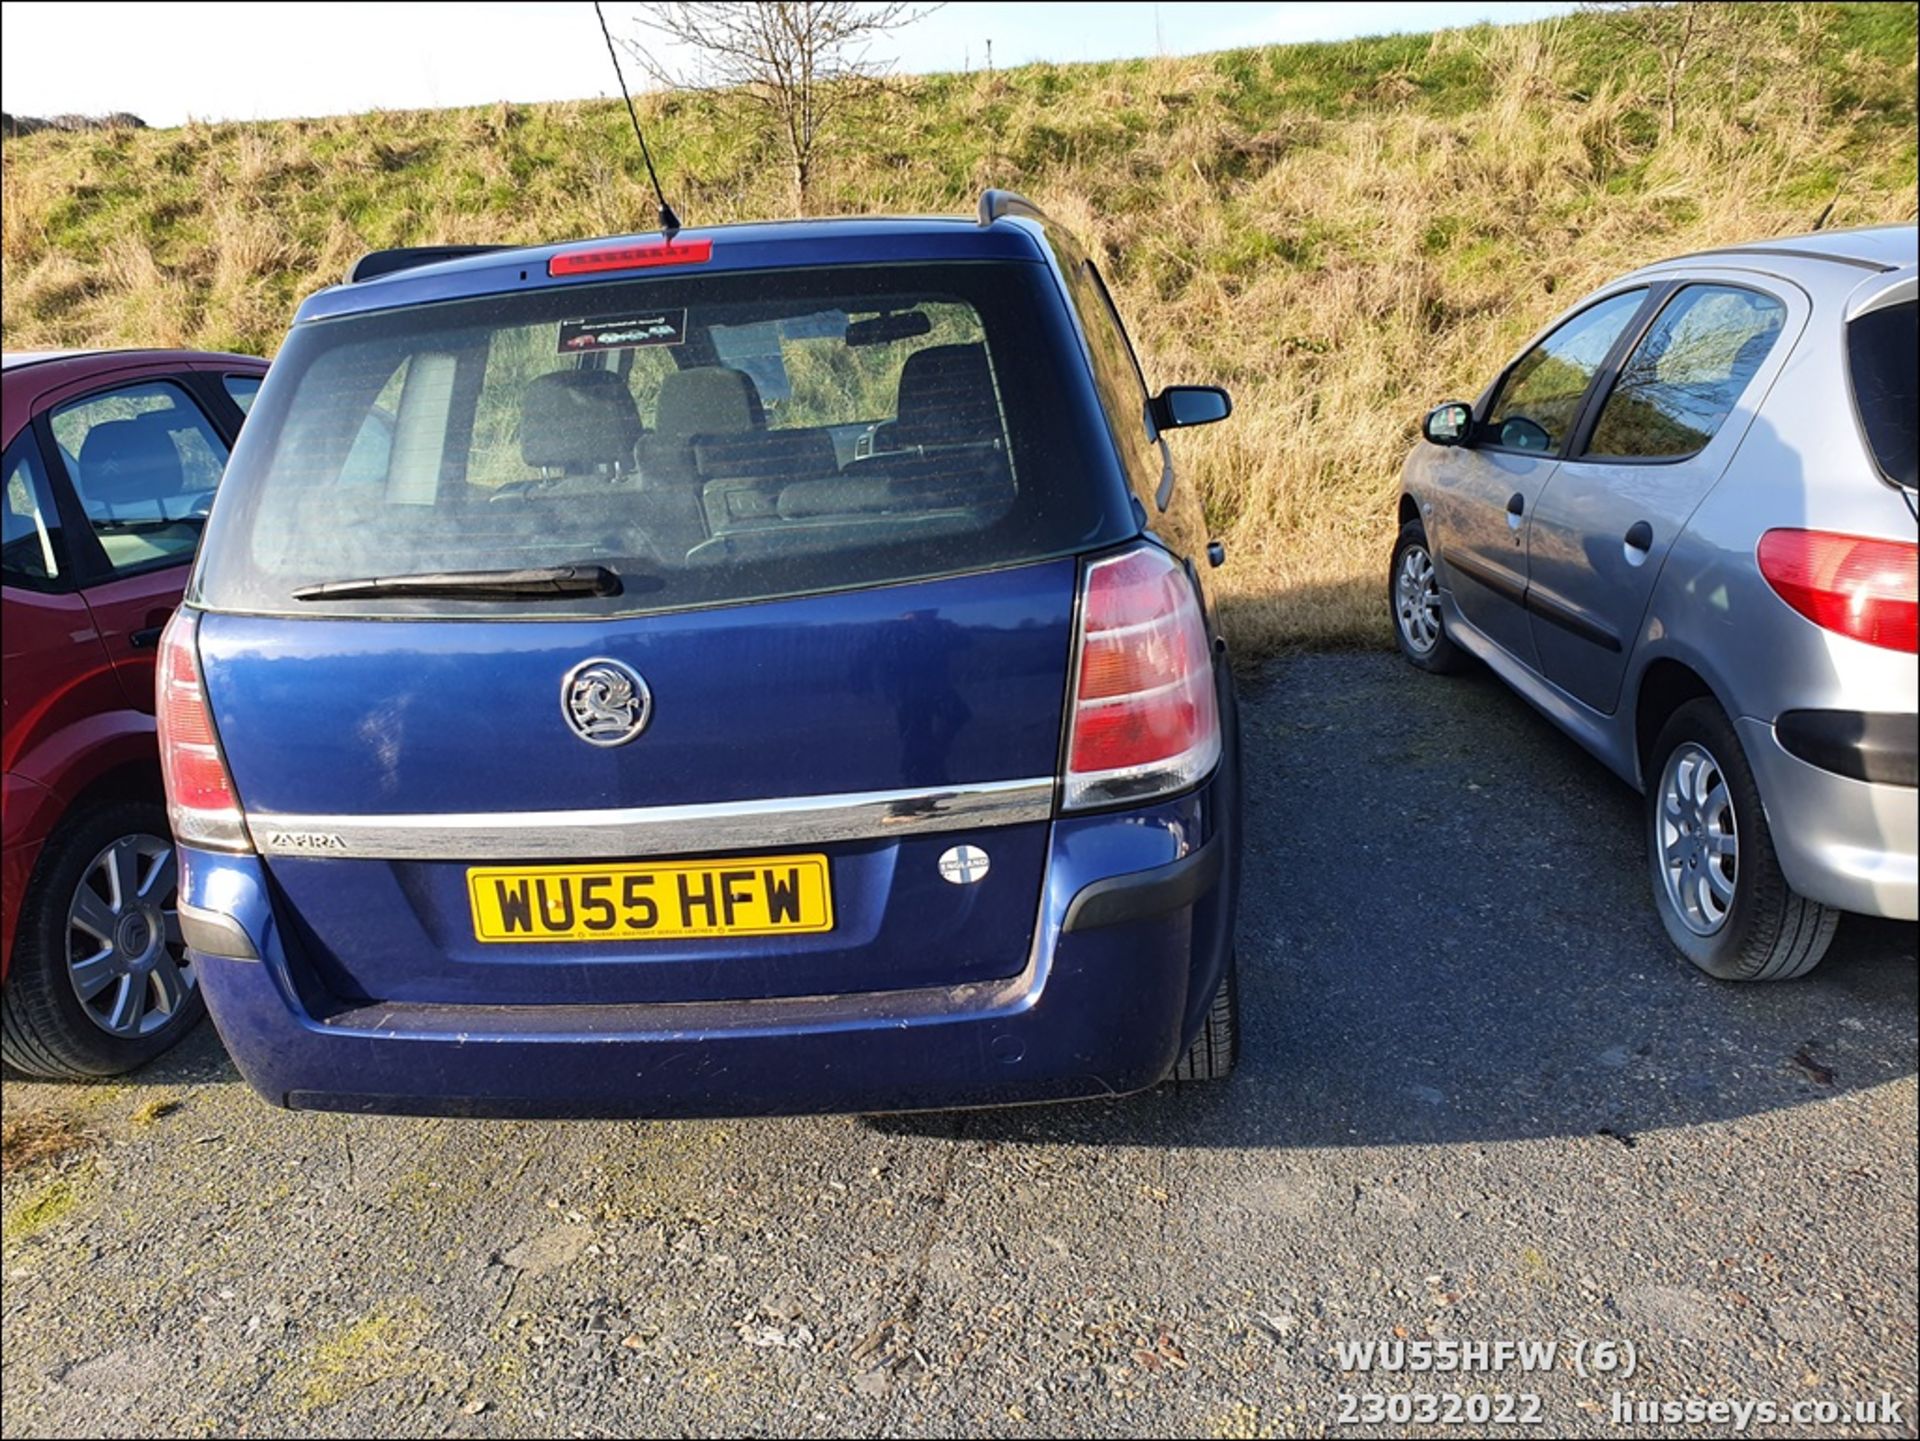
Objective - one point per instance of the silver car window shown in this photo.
(1687, 373)
(1540, 400)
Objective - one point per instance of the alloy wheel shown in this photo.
(1699, 839)
(125, 955)
(1416, 600)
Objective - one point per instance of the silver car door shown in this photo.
(1660, 430)
(1481, 494)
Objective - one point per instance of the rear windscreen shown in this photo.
(1882, 348)
(708, 439)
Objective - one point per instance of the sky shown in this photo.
(167, 63)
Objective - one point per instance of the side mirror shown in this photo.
(1181, 405)
(1448, 424)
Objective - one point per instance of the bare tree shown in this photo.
(800, 65)
(1679, 36)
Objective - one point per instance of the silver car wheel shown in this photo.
(125, 955)
(1416, 600)
(1699, 839)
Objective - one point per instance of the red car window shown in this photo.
(144, 461)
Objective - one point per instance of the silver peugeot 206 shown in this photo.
(1682, 524)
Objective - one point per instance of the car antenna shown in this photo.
(669, 222)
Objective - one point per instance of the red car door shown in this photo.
(143, 455)
(56, 673)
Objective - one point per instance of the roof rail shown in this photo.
(385, 262)
(1859, 262)
(997, 204)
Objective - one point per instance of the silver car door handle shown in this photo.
(1516, 508)
(1639, 541)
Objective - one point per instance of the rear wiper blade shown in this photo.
(541, 582)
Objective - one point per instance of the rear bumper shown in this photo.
(1842, 841)
(1109, 997)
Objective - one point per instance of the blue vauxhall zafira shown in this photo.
(750, 670)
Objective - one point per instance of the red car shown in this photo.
(111, 460)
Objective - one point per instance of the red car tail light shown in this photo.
(201, 802)
(1145, 719)
(632, 257)
(1862, 587)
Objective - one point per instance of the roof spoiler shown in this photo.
(998, 204)
(385, 262)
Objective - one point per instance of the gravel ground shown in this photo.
(1480, 1100)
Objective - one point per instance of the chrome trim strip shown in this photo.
(654, 830)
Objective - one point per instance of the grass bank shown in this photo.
(1341, 233)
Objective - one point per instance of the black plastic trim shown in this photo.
(215, 933)
(1575, 622)
(1143, 894)
(1553, 612)
(1861, 745)
(1478, 571)
(994, 204)
(376, 263)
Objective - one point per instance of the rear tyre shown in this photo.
(1716, 877)
(1217, 1047)
(1413, 603)
(100, 981)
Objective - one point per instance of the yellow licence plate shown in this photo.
(652, 901)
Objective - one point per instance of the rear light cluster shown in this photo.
(1861, 587)
(1145, 719)
(201, 801)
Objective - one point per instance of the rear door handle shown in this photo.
(1639, 541)
(141, 639)
(1516, 508)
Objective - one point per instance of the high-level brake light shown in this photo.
(632, 257)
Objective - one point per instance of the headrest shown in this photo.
(853, 495)
(124, 461)
(578, 420)
(946, 398)
(766, 455)
(709, 400)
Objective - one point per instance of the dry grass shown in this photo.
(37, 1138)
(1342, 234)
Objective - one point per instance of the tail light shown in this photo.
(201, 801)
(1861, 587)
(1145, 719)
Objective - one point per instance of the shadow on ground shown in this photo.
(1446, 936)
